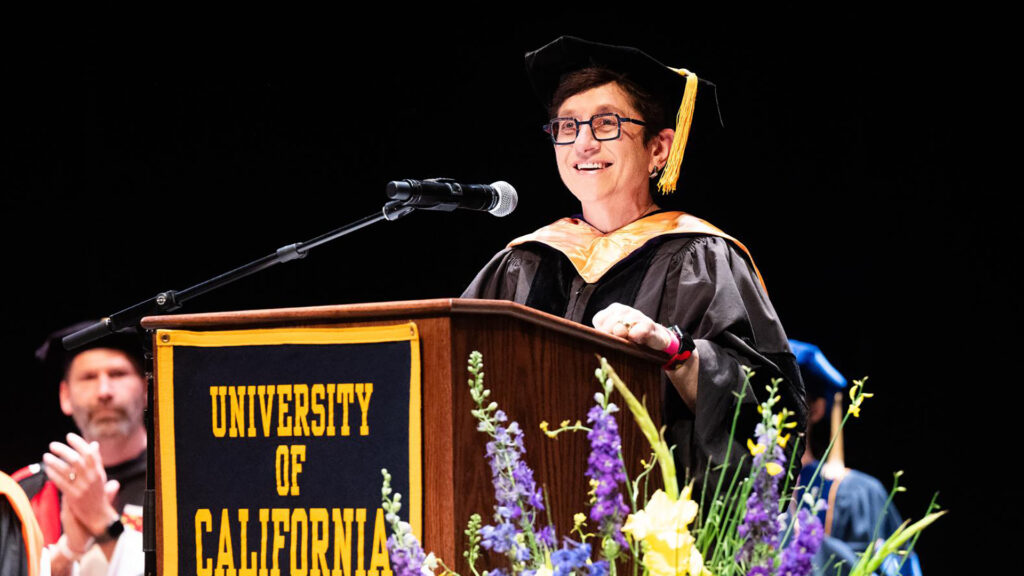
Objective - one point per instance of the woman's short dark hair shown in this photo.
(651, 110)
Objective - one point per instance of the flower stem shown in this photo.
(654, 437)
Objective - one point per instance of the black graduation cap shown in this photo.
(55, 359)
(675, 87)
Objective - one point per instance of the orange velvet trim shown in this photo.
(30, 532)
(593, 252)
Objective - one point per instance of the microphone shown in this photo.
(445, 195)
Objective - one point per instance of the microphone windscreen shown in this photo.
(507, 199)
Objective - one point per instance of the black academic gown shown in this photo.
(702, 283)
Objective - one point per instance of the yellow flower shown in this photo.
(662, 526)
(783, 440)
(755, 449)
(773, 468)
(857, 397)
(578, 520)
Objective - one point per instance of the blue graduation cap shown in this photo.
(820, 377)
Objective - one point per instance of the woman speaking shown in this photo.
(662, 279)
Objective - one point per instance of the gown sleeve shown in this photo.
(13, 556)
(712, 292)
(507, 276)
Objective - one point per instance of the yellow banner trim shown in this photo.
(273, 336)
(168, 471)
(166, 340)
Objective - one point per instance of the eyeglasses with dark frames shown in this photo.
(603, 126)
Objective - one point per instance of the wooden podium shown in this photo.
(538, 367)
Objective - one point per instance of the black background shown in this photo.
(858, 168)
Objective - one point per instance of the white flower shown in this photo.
(429, 565)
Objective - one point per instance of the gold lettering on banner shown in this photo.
(280, 518)
(204, 566)
(299, 556)
(284, 425)
(246, 565)
(380, 563)
(316, 397)
(251, 392)
(218, 392)
(281, 470)
(345, 395)
(342, 541)
(319, 542)
(361, 533)
(264, 518)
(330, 409)
(290, 410)
(225, 552)
(237, 427)
(364, 391)
(288, 462)
(298, 453)
(266, 407)
(301, 392)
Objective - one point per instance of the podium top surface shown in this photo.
(409, 309)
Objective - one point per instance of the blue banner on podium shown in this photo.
(270, 446)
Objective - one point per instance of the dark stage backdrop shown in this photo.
(853, 166)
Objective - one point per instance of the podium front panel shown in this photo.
(271, 444)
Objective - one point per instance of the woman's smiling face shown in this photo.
(595, 171)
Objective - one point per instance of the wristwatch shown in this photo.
(113, 532)
(681, 348)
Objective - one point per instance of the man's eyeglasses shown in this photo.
(602, 126)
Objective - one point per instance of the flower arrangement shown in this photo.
(750, 526)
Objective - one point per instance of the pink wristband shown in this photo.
(673, 345)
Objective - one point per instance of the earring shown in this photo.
(654, 172)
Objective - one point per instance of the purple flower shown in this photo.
(406, 560)
(605, 469)
(546, 536)
(761, 523)
(500, 538)
(571, 557)
(599, 568)
(796, 558)
(515, 491)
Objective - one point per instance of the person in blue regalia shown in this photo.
(858, 510)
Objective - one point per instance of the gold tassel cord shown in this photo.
(669, 178)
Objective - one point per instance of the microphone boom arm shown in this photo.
(172, 300)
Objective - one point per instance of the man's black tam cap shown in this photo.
(56, 360)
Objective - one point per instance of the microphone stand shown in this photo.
(171, 300)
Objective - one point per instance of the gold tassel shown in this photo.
(836, 456)
(669, 178)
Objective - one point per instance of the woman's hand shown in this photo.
(633, 325)
(629, 323)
